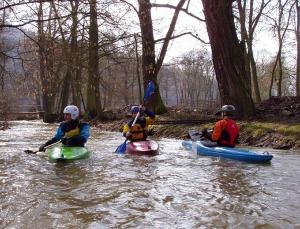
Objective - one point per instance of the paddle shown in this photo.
(195, 135)
(46, 147)
(149, 91)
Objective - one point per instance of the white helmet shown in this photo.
(73, 110)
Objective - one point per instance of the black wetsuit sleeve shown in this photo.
(50, 142)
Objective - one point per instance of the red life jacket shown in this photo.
(229, 134)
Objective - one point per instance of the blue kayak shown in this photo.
(226, 152)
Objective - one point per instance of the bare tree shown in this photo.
(228, 56)
(281, 25)
(150, 66)
(248, 22)
(93, 93)
(47, 98)
(298, 47)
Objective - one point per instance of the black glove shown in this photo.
(42, 148)
(65, 141)
(206, 134)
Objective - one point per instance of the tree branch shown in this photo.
(22, 3)
(183, 34)
(174, 7)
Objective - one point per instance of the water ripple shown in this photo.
(175, 189)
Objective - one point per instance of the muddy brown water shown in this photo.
(175, 189)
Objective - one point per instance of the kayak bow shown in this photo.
(147, 147)
(64, 153)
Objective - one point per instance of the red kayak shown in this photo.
(147, 147)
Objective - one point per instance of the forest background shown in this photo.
(99, 55)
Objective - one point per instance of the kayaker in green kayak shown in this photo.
(138, 132)
(226, 131)
(71, 132)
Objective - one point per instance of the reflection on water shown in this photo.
(175, 189)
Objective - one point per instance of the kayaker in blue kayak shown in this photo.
(226, 131)
(138, 132)
(71, 132)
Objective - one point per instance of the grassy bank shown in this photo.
(274, 135)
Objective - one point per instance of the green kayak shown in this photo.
(65, 153)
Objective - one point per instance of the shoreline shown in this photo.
(257, 133)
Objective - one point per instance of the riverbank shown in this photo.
(252, 133)
(276, 124)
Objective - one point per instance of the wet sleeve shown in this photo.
(85, 132)
(50, 142)
(59, 134)
(218, 128)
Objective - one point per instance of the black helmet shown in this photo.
(135, 109)
(227, 110)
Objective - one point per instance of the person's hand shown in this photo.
(65, 140)
(42, 148)
(204, 132)
(128, 134)
(142, 108)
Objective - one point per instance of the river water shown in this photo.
(175, 189)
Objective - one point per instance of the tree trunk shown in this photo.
(75, 54)
(148, 55)
(273, 75)
(254, 74)
(281, 25)
(244, 38)
(247, 37)
(138, 75)
(93, 92)
(298, 49)
(45, 81)
(65, 91)
(176, 86)
(228, 57)
(150, 66)
(68, 58)
(280, 76)
(126, 86)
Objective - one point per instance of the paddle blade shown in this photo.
(28, 151)
(149, 90)
(195, 135)
(121, 148)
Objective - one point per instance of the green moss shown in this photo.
(290, 130)
(261, 128)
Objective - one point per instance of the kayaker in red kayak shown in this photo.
(138, 132)
(226, 130)
(71, 132)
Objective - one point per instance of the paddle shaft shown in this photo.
(149, 91)
(55, 143)
(46, 147)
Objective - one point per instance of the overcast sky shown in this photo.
(264, 43)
